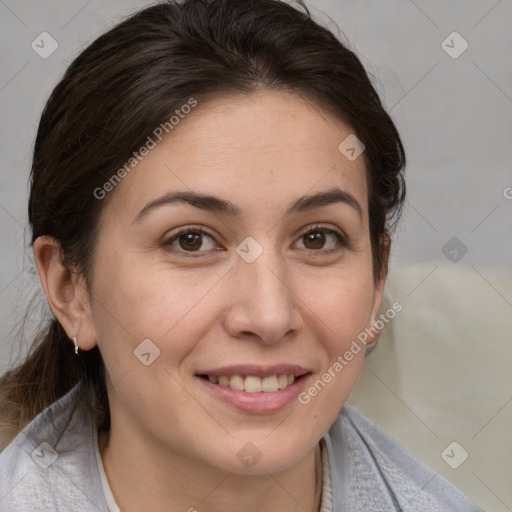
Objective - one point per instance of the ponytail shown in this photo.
(49, 371)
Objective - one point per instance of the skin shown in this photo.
(299, 302)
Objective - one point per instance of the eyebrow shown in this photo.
(214, 204)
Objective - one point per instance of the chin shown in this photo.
(260, 455)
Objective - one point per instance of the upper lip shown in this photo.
(257, 371)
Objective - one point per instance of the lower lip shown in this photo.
(260, 402)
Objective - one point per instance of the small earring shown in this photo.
(76, 345)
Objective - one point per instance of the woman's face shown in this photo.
(268, 281)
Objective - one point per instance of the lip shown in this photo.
(256, 403)
(257, 371)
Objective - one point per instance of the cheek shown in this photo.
(338, 313)
(132, 308)
(135, 302)
(342, 305)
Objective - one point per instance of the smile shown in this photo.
(253, 383)
(255, 394)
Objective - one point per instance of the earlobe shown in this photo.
(64, 291)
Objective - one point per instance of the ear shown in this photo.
(380, 280)
(65, 291)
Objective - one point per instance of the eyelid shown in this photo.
(321, 226)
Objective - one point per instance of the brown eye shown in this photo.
(322, 238)
(191, 241)
(314, 240)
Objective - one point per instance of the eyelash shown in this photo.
(324, 229)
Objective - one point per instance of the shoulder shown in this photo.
(370, 471)
(51, 463)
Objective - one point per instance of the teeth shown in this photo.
(269, 384)
(236, 382)
(282, 381)
(253, 384)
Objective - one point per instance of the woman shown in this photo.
(213, 189)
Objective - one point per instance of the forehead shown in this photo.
(252, 148)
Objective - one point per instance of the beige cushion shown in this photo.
(441, 373)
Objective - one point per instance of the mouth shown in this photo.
(253, 383)
(253, 389)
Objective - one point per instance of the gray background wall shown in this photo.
(453, 111)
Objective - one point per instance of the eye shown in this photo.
(195, 240)
(322, 238)
(191, 240)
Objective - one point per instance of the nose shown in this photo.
(262, 302)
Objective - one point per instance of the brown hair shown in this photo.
(128, 82)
